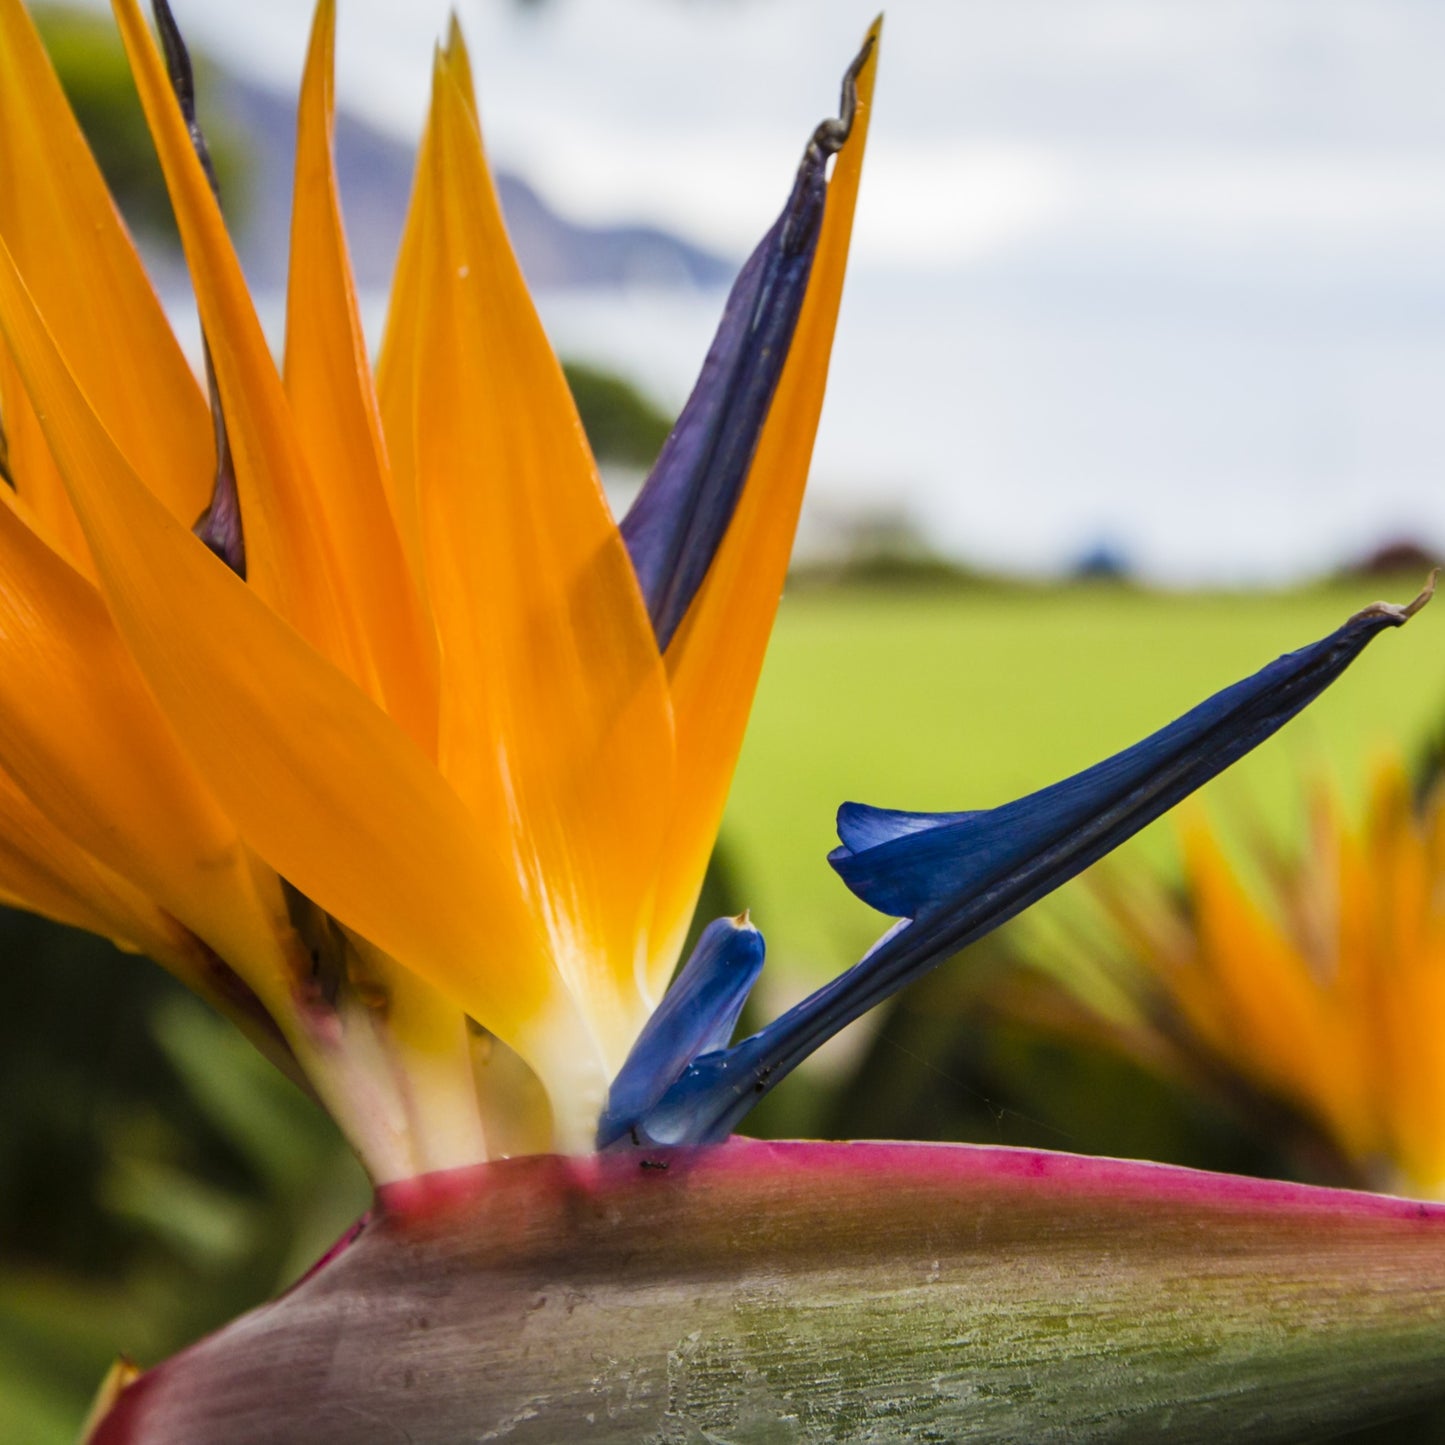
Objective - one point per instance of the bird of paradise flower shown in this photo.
(345, 698)
(1304, 990)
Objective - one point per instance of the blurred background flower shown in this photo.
(1142, 297)
(1302, 990)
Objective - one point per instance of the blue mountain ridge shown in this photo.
(375, 174)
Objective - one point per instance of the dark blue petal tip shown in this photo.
(697, 1016)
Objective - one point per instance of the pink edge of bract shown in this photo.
(944, 1165)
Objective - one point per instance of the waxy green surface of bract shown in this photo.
(850, 1292)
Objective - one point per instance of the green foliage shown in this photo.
(91, 64)
(624, 427)
(156, 1175)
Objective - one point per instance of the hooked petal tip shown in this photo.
(1402, 614)
(677, 524)
(832, 134)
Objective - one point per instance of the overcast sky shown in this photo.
(1211, 125)
(1169, 273)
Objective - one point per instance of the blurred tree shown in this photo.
(624, 427)
(156, 1174)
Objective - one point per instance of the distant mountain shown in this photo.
(375, 174)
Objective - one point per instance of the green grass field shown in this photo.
(969, 698)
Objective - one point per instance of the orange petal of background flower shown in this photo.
(1268, 1010)
(555, 721)
(328, 381)
(1395, 878)
(714, 659)
(61, 226)
(316, 778)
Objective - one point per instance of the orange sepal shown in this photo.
(555, 719)
(328, 381)
(81, 734)
(317, 779)
(714, 659)
(61, 226)
(290, 557)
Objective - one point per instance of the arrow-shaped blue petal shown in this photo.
(953, 877)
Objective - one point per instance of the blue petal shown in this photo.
(909, 864)
(677, 523)
(697, 1016)
(861, 826)
(953, 877)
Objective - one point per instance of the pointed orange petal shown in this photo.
(318, 780)
(400, 359)
(555, 722)
(39, 494)
(290, 556)
(62, 229)
(459, 62)
(396, 369)
(716, 655)
(44, 871)
(81, 734)
(328, 381)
